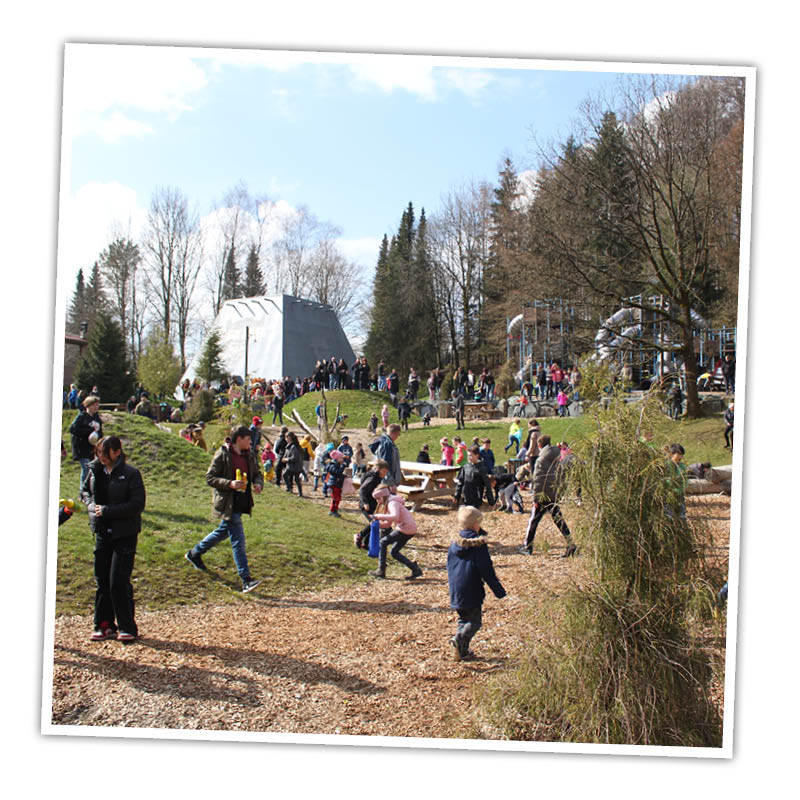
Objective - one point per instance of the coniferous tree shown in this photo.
(253, 276)
(231, 285)
(211, 368)
(105, 363)
(159, 369)
(377, 338)
(77, 312)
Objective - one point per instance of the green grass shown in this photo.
(291, 543)
(357, 404)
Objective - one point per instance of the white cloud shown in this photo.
(90, 218)
(363, 251)
(390, 73)
(471, 82)
(101, 81)
(526, 183)
(116, 125)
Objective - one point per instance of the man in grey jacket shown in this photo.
(546, 486)
(386, 449)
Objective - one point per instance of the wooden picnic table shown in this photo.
(423, 482)
(434, 480)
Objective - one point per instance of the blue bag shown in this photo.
(374, 539)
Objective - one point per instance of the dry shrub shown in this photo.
(615, 660)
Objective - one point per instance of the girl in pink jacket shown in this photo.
(403, 528)
(447, 451)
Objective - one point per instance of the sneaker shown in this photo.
(457, 654)
(527, 551)
(378, 573)
(195, 561)
(249, 584)
(415, 572)
(104, 632)
(122, 636)
(334, 514)
(570, 551)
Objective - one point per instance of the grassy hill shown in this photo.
(290, 543)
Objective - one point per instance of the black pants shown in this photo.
(459, 419)
(469, 623)
(729, 435)
(278, 412)
(113, 565)
(399, 540)
(290, 476)
(279, 468)
(536, 518)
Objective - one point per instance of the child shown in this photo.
(507, 489)
(334, 480)
(372, 427)
(426, 419)
(423, 457)
(487, 456)
(461, 452)
(563, 402)
(469, 565)
(268, 460)
(385, 416)
(366, 502)
(447, 451)
(514, 436)
(676, 480)
(472, 481)
(403, 528)
(359, 460)
(345, 449)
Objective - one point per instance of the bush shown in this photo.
(618, 663)
(505, 382)
(201, 409)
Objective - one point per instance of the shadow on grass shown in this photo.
(196, 519)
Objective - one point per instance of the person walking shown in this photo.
(334, 480)
(280, 451)
(514, 435)
(404, 412)
(403, 529)
(458, 410)
(728, 417)
(114, 494)
(235, 476)
(86, 431)
(546, 486)
(293, 460)
(469, 566)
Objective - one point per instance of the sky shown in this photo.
(354, 138)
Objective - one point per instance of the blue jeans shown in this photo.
(234, 529)
(84, 462)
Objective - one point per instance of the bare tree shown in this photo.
(188, 268)
(119, 263)
(460, 250)
(292, 252)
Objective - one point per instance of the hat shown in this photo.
(336, 455)
(381, 492)
(257, 420)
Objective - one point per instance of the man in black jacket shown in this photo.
(86, 430)
(114, 494)
(458, 410)
(729, 373)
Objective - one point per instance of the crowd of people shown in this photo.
(113, 490)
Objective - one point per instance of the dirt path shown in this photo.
(372, 659)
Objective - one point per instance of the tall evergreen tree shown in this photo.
(422, 319)
(231, 285)
(253, 276)
(105, 362)
(210, 367)
(77, 312)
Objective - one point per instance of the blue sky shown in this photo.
(354, 140)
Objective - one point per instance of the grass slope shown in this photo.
(291, 543)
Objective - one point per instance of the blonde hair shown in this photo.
(90, 400)
(469, 516)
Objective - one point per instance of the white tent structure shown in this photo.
(275, 336)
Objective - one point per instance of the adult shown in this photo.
(413, 384)
(363, 374)
(144, 408)
(575, 380)
(385, 449)
(728, 417)
(86, 430)
(280, 451)
(381, 376)
(393, 384)
(404, 412)
(532, 444)
(115, 498)
(729, 373)
(277, 404)
(541, 380)
(232, 497)
(293, 458)
(490, 383)
(558, 376)
(675, 400)
(458, 410)
(546, 485)
(431, 384)
(72, 397)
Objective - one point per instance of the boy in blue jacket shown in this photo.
(469, 565)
